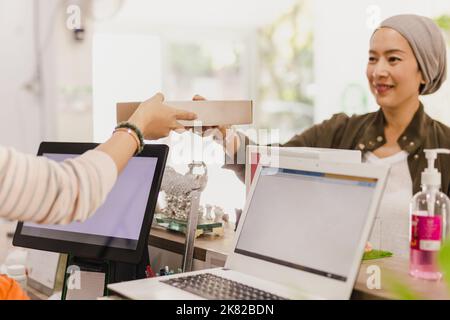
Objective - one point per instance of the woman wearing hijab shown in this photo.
(407, 58)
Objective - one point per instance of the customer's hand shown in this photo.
(217, 131)
(156, 120)
(222, 134)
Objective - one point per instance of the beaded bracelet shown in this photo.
(136, 130)
(132, 134)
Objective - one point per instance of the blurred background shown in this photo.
(65, 63)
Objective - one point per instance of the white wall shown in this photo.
(35, 108)
(341, 52)
(132, 73)
(200, 13)
(73, 77)
(20, 114)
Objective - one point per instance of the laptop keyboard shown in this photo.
(210, 286)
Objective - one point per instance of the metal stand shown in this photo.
(192, 222)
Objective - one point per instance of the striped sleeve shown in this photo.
(41, 190)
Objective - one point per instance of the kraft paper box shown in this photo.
(210, 113)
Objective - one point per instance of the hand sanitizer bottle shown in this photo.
(429, 213)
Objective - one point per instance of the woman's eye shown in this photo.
(394, 59)
(372, 59)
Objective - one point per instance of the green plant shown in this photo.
(403, 292)
(286, 71)
(286, 51)
(444, 262)
(443, 22)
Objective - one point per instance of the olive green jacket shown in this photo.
(366, 133)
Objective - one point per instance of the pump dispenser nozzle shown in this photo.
(431, 176)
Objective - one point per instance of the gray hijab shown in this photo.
(428, 45)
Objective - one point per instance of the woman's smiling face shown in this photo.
(392, 70)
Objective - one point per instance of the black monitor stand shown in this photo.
(87, 279)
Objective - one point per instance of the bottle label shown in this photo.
(426, 233)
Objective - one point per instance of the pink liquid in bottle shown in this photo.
(426, 233)
(423, 265)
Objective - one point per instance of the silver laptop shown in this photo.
(301, 236)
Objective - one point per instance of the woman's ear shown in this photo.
(422, 82)
(422, 78)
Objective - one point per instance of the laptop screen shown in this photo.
(310, 221)
(118, 222)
